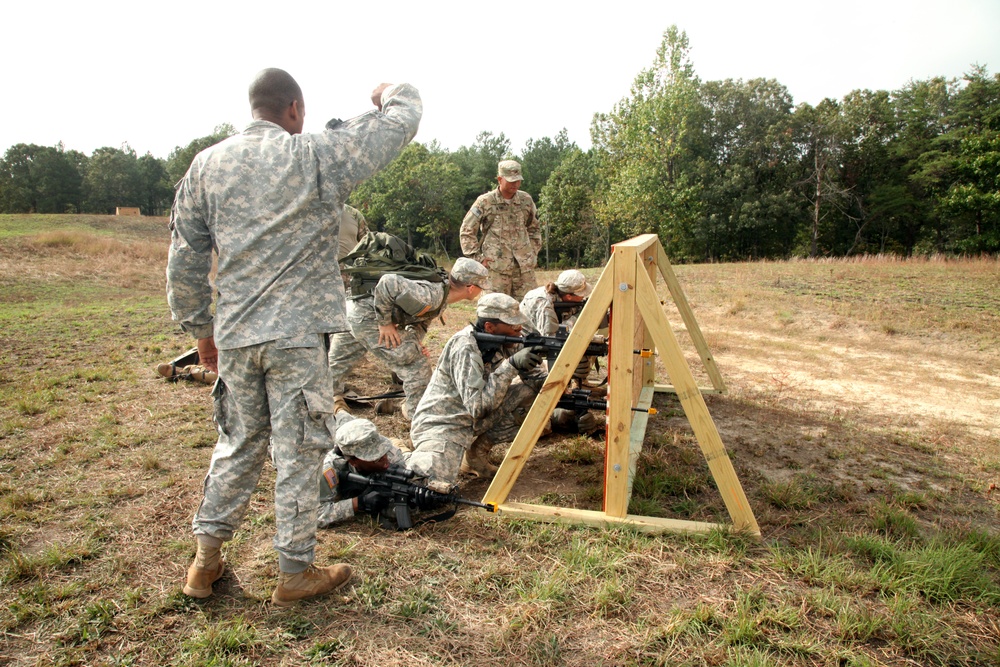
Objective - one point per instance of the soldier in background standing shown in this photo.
(502, 232)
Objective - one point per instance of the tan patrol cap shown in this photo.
(359, 438)
(470, 272)
(510, 170)
(573, 282)
(500, 306)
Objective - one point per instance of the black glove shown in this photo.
(526, 360)
(371, 502)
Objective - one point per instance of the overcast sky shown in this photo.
(159, 74)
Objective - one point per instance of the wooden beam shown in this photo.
(597, 519)
(680, 300)
(638, 433)
(531, 429)
(695, 408)
(670, 389)
(621, 374)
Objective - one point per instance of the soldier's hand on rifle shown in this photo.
(526, 360)
(388, 336)
(370, 502)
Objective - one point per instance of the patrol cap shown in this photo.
(470, 272)
(500, 306)
(573, 282)
(359, 438)
(510, 170)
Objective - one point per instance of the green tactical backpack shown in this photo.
(379, 253)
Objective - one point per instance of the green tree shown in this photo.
(647, 142)
(478, 165)
(970, 206)
(820, 134)
(922, 109)
(41, 179)
(180, 158)
(156, 194)
(112, 180)
(540, 157)
(746, 166)
(566, 207)
(416, 197)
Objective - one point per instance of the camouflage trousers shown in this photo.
(275, 393)
(407, 360)
(440, 460)
(513, 281)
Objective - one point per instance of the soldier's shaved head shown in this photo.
(272, 91)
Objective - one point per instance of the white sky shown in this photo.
(158, 74)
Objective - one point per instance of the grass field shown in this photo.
(861, 416)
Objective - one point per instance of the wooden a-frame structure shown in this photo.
(638, 328)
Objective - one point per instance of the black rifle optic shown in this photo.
(397, 496)
(550, 346)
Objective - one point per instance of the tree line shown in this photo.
(720, 170)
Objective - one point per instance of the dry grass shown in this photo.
(861, 419)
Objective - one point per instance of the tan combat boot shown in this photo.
(206, 569)
(201, 374)
(476, 459)
(340, 404)
(166, 370)
(309, 583)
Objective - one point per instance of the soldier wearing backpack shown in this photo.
(391, 321)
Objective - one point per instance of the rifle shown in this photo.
(397, 495)
(550, 346)
(568, 307)
(579, 402)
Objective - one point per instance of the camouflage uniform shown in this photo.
(352, 229)
(365, 314)
(333, 507)
(537, 307)
(270, 204)
(508, 233)
(463, 400)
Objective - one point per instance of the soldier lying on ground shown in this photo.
(360, 448)
(187, 367)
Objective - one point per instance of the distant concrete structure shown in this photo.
(127, 210)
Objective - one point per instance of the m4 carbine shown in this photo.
(550, 346)
(395, 496)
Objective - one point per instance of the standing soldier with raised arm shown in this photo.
(502, 232)
(269, 201)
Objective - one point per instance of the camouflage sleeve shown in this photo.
(469, 233)
(413, 297)
(541, 316)
(480, 395)
(189, 261)
(335, 511)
